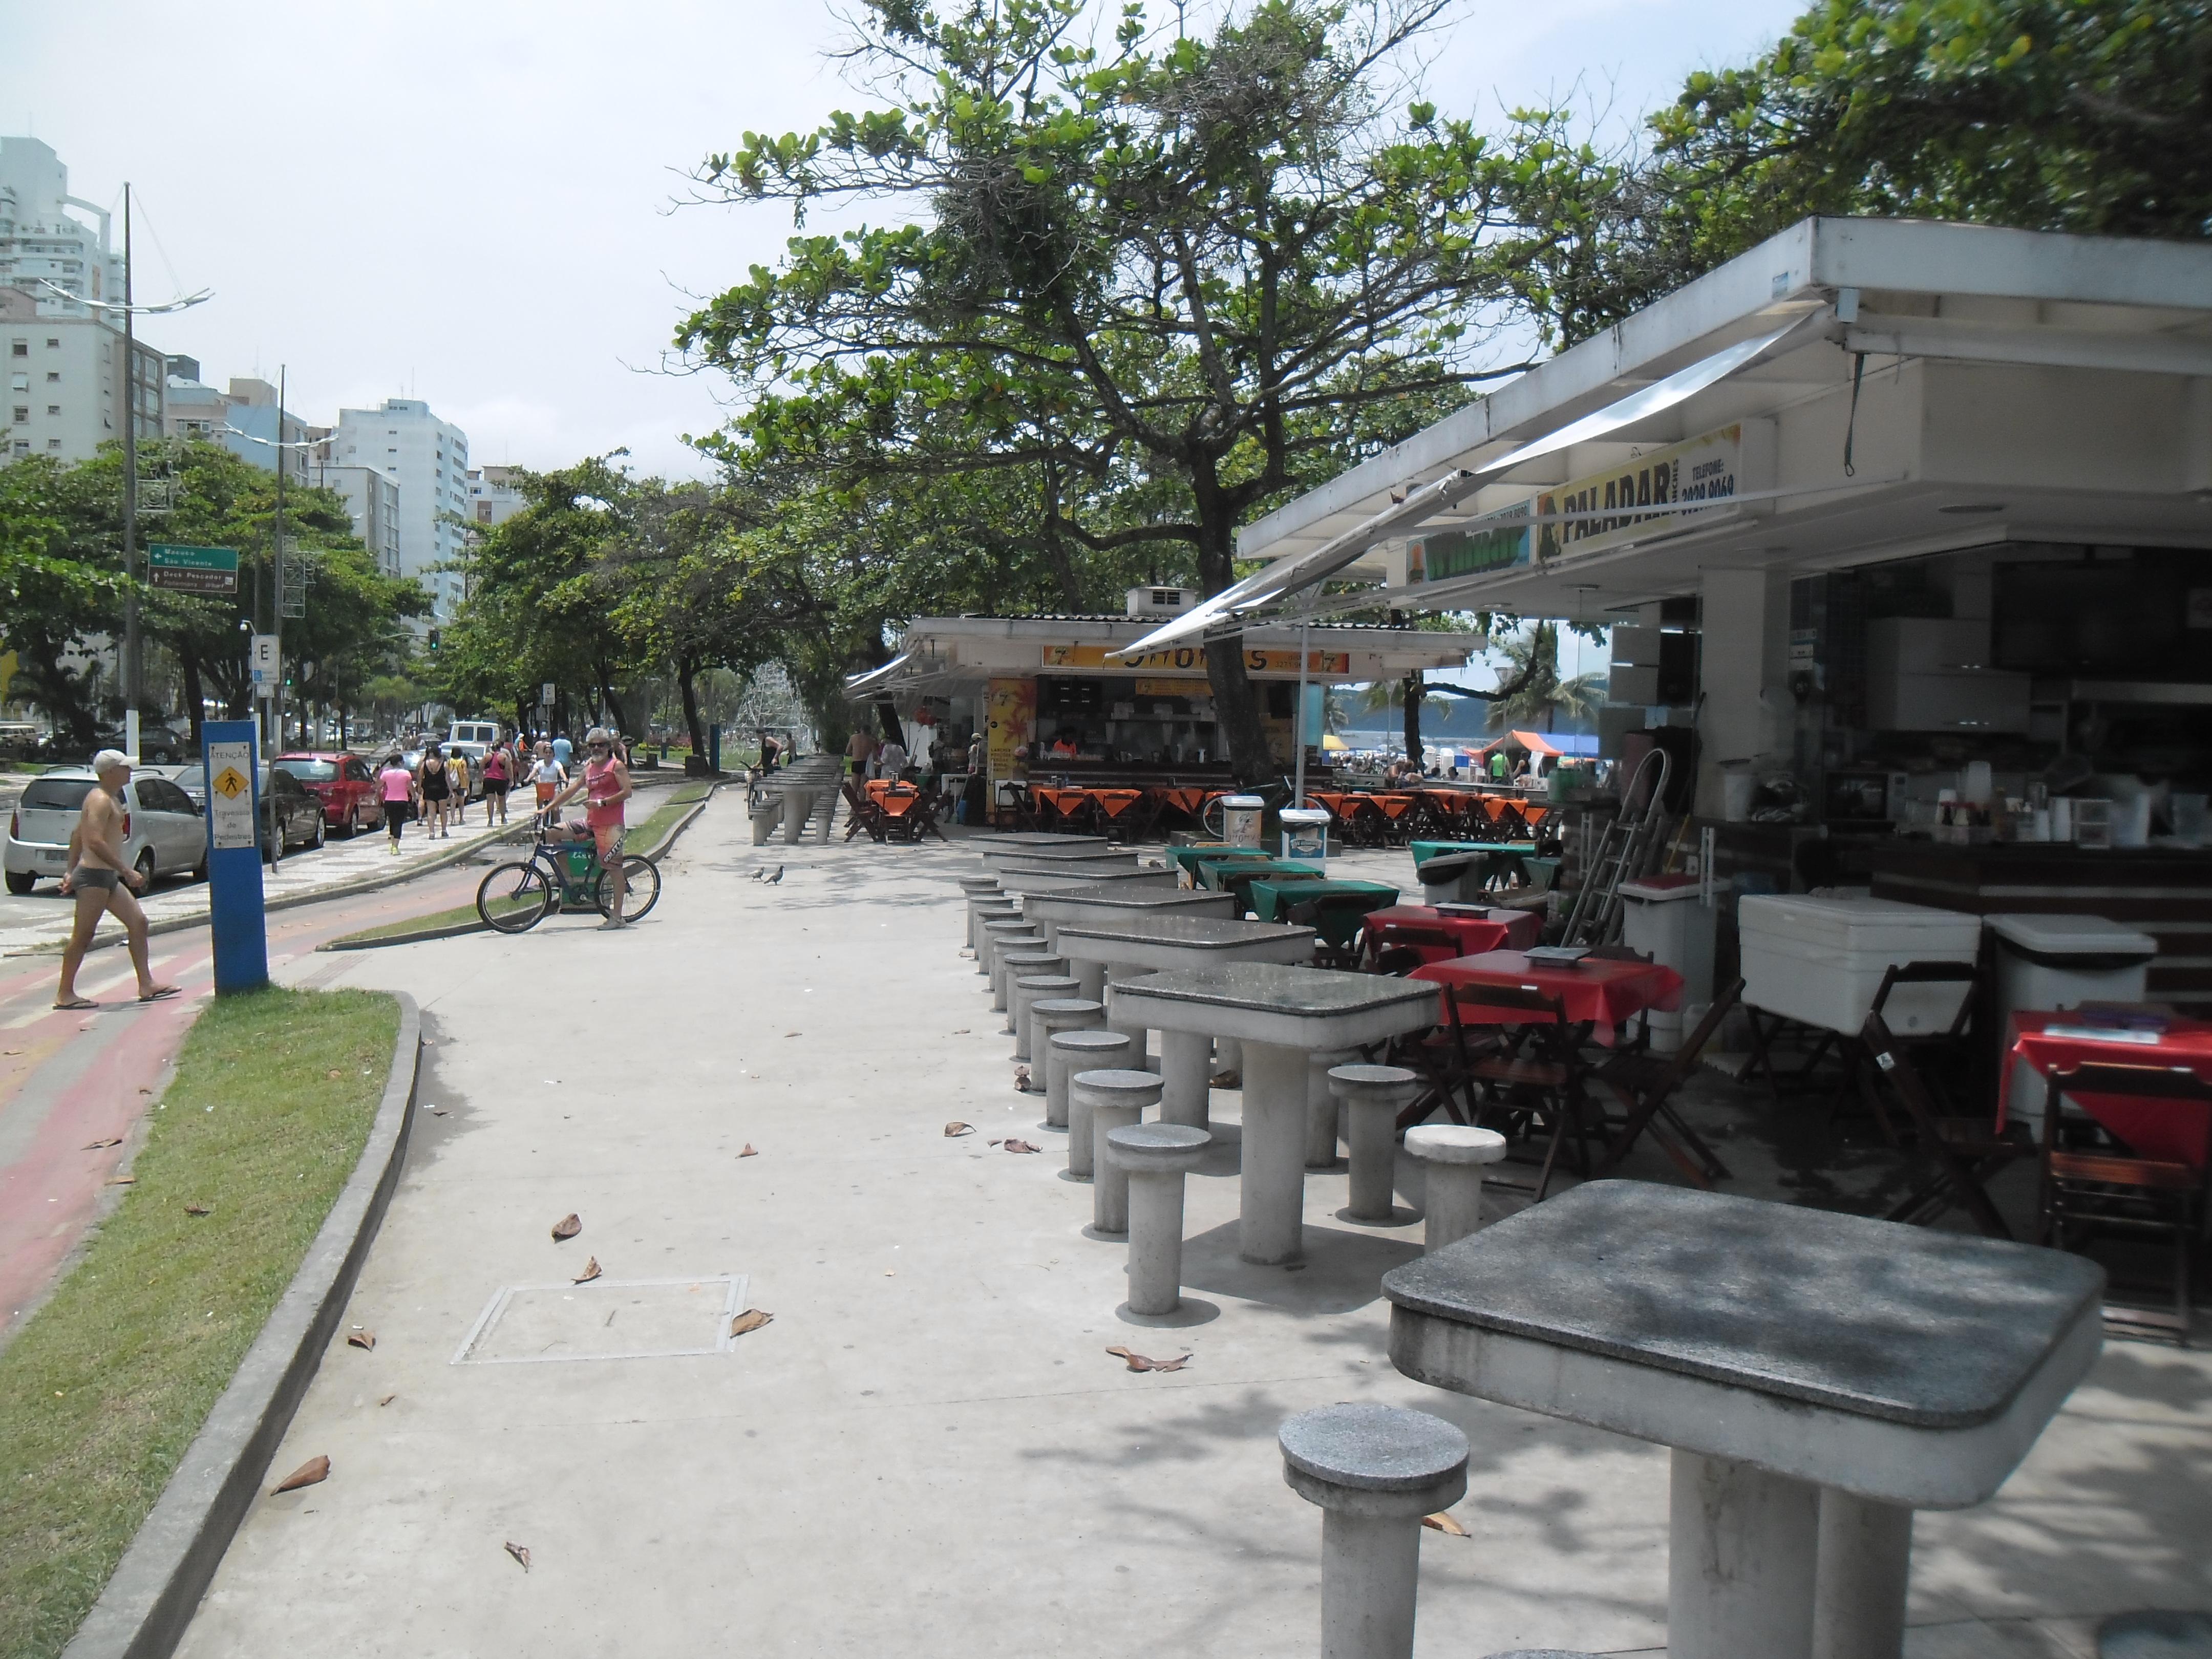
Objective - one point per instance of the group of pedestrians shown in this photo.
(436, 789)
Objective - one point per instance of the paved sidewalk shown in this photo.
(928, 1452)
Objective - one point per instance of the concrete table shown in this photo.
(991, 838)
(1118, 901)
(1058, 878)
(1120, 947)
(996, 858)
(1819, 1377)
(1282, 1015)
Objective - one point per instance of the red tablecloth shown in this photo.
(2174, 1130)
(1601, 994)
(1472, 934)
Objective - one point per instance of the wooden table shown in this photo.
(1281, 1015)
(1818, 1377)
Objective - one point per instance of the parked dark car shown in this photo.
(291, 817)
(157, 746)
(343, 783)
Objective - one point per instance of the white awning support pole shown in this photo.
(1298, 724)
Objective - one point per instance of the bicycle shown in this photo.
(515, 897)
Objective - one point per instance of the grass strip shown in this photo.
(104, 1389)
(681, 800)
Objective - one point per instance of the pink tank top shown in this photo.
(599, 783)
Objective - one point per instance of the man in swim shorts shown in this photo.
(102, 879)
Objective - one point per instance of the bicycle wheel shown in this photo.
(643, 877)
(514, 897)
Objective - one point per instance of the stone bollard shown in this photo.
(766, 812)
(983, 908)
(1096, 1049)
(1320, 1106)
(1049, 1017)
(1153, 1158)
(1018, 965)
(1454, 1155)
(1373, 1096)
(797, 809)
(1117, 1101)
(1030, 990)
(1376, 1471)
(1023, 936)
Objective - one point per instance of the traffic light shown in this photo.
(433, 639)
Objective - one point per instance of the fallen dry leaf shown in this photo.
(751, 1319)
(145, 1091)
(334, 1075)
(112, 1140)
(10, 1051)
(748, 1152)
(952, 1131)
(962, 1031)
(1443, 1523)
(198, 1209)
(795, 1034)
(124, 1180)
(1018, 1146)
(315, 1470)
(566, 1227)
(387, 1399)
(1021, 1079)
(360, 1338)
(521, 1553)
(591, 1271)
(1136, 1362)
(1225, 1080)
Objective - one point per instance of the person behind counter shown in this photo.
(1064, 747)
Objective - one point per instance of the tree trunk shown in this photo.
(1414, 688)
(1237, 722)
(686, 670)
(188, 662)
(887, 716)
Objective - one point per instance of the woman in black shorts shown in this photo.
(437, 788)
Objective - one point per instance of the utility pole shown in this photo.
(276, 622)
(134, 667)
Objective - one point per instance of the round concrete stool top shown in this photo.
(1454, 1143)
(1383, 1082)
(1097, 1043)
(1373, 1448)
(993, 906)
(1033, 962)
(1066, 1008)
(1540, 1653)
(980, 884)
(1165, 1148)
(1053, 985)
(1116, 1087)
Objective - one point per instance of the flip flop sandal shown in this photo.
(76, 1005)
(165, 991)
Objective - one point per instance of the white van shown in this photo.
(481, 733)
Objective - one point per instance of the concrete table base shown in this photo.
(1137, 1031)
(1186, 1078)
(1375, 1471)
(1321, 1113)
(1454, 1155)
(1154, 1157)
(1116, 1100)
(1073, 1053)
(1048, 1018)
(1271, 1219)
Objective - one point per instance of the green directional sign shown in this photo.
(210, 570)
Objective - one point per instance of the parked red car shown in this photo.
(344, 785)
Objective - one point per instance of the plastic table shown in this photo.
(1471, 935)
(1599, 993)
(2173, 1130)
(1281, 1015)
(1272, 897)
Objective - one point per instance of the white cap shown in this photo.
(108, 759)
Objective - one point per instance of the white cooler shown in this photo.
(2045, 964)
(1821, 960)
(1661, 917)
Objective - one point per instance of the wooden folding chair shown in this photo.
(1961, 1153)
(1398, 948)
(1644, 1084)
(1533, 1078)
(861, 813)
(924, 814)
(1011, 808)
(2085, 1192)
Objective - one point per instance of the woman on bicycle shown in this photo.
(606, 784)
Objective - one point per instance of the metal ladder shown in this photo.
(1623, 852)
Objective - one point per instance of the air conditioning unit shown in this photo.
(1161, 601)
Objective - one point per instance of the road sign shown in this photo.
(265, 665)
(230, 794)
(546, 695)
(211, 570)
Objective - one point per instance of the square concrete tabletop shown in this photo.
(1153, 941)
(1119, 900)
(1032, 838)
(1053, 858)
(1899, 1363)
(1290, 1008)
(1059, 877)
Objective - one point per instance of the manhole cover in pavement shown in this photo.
(606, 1319)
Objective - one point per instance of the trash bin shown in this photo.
(1662, 915)
(1305, 834)
(1240, 819)
(2046, 963)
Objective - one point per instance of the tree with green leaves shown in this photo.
(1163, 274)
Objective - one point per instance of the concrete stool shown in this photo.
(972, 888)
(982, 908)
(1454, 1155)
(1090, 1049)
(1373, 1096)
(1376, 1471)
(798, 808)
(1022, 936)
(1320, 1106)
(1153, 1158)
(1016, 965)
(766, 812)
(1030, 990)
(1049, 1017)
(1116, 1100)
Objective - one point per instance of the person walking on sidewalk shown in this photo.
(457, 769)
(548, 778)
(395, 788)
(606, 784)
(101, 880)
(498, 773)
(434, 785)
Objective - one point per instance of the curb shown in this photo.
(455, 930)
(156, 1587)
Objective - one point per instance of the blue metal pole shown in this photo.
(237, 916)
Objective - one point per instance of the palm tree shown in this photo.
(1391, 694)
(1540, 693)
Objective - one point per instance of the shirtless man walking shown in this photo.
(102, 880)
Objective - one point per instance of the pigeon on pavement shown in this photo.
(777, 877)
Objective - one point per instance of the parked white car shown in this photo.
(163, 832)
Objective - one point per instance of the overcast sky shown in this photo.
(469, 201)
